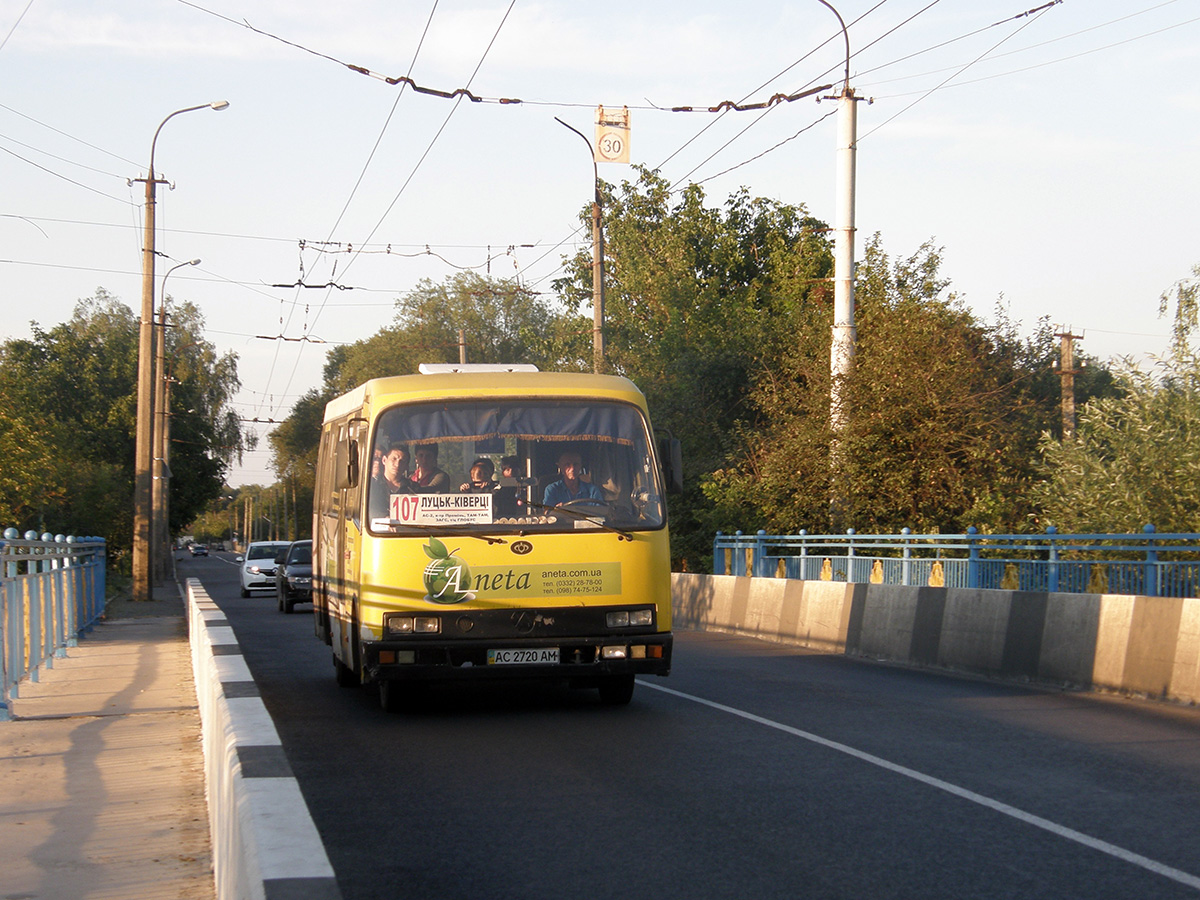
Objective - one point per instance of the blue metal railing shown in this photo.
(1148, 563)
(51, 590)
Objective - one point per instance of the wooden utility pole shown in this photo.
(1067, 372)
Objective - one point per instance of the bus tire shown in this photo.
(401, 696)
(346, 677)
(616, 690)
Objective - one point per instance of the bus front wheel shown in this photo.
(616, 690)
(346, 677)
(402, 696)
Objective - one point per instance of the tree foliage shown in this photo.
(69, 412)
(698, 301)
(942, 413)
(722, 315)
(1135, 459)
(499, 321)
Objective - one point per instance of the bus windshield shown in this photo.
(516, 465)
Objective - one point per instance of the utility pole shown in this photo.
(162, 404)
(143, 491)
(160, 499)
(1067, 373)
(841, 350)
(597, 285)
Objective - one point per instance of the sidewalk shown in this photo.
(102, 770)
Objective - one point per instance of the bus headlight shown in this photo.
(629, 618)
(400, 625)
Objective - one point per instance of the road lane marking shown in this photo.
(1029, 818)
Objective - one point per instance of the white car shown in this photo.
(258, 565)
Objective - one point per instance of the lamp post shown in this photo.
(162, 437)
(597, 261)
(143, 582)
(845, 333)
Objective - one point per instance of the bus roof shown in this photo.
(464, 385)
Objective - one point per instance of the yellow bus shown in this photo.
(475, 522)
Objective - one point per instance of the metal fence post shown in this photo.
(1150, 580)
(803, 553)
(850, 573)
(1052, 567)
(906, 566)
(758, 565)
(972, 557)
(718, 556)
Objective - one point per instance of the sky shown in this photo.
(1050, 151)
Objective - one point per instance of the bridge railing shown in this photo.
(1148, 563)
(51, 590)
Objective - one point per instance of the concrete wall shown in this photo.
(1140, 645)
(265, 846)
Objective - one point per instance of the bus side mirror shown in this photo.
(670, 454)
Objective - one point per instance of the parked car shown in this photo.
(293, 575)
(258, 566)
(199, 549)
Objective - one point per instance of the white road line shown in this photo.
(1029, 818)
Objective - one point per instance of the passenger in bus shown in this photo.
(393, 479)
(481, 481)
(509, 498)
(428, 478)
(570, 486)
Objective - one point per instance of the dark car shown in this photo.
(199, 549)
(293, 575)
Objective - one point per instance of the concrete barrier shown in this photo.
(265, 845)
(1148, 646)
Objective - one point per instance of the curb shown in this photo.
(265, 845)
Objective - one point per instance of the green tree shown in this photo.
(73, 390)
(698, 301)
(500, 322)
(1185, 296)
(294, 447)
(1135, 459)
(943, 413)
(29, 460)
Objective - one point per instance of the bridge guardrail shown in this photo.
(1148, 563)
(51, 591)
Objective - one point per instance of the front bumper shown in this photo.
(260, 580)
(586, 648)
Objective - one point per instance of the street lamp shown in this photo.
(162, 436)
(143, 582)
(597, 261)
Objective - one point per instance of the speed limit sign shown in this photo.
(612, 135)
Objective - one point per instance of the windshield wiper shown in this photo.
(582, 516)
(434, 529)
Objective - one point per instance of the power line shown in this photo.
(1040, 11)
(66, 135)
(415, 168)
(15, 24)
(1049, 62)
(63, 177)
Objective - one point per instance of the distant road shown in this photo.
(755, 771)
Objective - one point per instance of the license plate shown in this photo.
(536, 656)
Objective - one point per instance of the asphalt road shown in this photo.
(754, 770)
